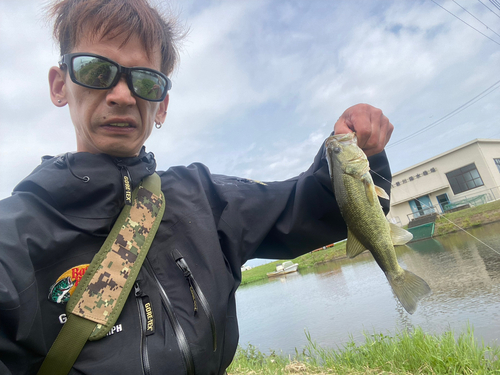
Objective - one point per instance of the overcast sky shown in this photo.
(261, 83)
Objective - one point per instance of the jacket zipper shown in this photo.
(144, 339)
(196, 293)
(178, 331)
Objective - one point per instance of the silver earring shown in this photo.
(59, 101)
(157, 125)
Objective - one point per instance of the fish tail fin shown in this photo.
(409, 288)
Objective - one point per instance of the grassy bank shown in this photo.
(406, 353)
(305, 261)
(468, 218)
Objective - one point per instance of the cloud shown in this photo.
(260, 82)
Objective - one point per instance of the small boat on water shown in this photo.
(284, 268)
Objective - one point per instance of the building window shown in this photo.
(497, 162)
(425, 173)
(465, 178)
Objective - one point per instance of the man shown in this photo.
(60, 215)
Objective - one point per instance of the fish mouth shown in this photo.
(346, 138)
(339, 140)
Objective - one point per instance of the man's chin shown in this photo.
(114, 149)
(120, 153)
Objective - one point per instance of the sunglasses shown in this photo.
(100, 73)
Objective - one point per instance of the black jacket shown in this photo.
(55, 220)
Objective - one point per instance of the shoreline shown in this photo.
(472, 217)
(408, 352)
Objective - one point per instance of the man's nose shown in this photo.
(120, 94)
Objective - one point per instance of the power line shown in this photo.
(494, 41)
(451, 114)
(456, 111)
(495, 3)
(489, 8)
(493, 31)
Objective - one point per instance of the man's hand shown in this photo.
(372, 128)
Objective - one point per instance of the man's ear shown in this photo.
(161, 114)
(57, 83)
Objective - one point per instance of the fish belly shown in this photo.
(367, 223)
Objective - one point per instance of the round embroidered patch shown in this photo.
(66, 284)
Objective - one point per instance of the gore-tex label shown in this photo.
(150, 321)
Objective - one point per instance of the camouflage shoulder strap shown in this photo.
(100, 295)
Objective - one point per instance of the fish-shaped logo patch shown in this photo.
(66, 284)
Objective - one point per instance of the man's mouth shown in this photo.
(120, 124)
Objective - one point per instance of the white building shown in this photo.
(465, 174)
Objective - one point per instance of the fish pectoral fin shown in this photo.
(369, 188)
(409, 288)
(399, 235)
(381, 192)
(353, 247)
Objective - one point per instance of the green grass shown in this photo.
(258, 273)
(474, 210)
(468, 218)
(413, 352)
(313, 259)
(305, 261)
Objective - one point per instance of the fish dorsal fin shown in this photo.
(399, 235)
(381, 192)
(353, 246)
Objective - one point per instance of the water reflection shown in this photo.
(345, 297)
(427, 246)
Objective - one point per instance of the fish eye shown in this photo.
(337, 150)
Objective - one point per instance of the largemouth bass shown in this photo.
(367, 226)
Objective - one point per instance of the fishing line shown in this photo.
(440, 215)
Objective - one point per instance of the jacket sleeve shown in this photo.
(282, 220)
(21, 330)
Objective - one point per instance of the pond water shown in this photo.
(344, 299)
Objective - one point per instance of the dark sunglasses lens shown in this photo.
(148, 85)
(94, 72)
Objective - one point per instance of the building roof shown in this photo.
(477, 140)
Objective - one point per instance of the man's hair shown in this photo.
(74, 19)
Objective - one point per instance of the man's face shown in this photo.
(112, 121)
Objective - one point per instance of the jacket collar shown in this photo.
(84, 185)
